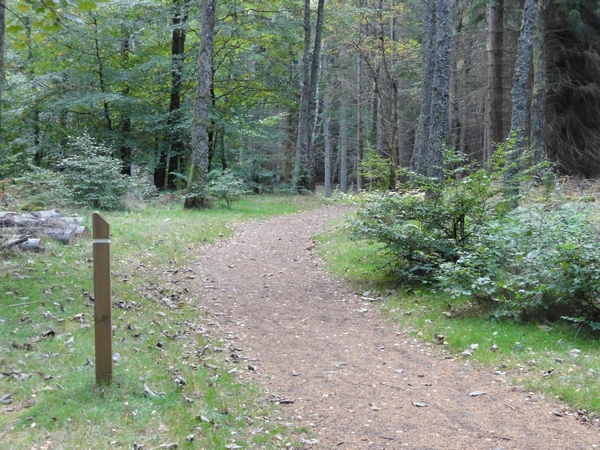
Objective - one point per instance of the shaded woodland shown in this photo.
(288, 95)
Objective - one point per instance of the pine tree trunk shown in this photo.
(196, 197)
(439, 130)
(2, 28)
(343, 141)
(314, 77)
(540, 87)
(519, 101)
(327, 142)
(428, 50)
(301, 160)
(171, 155)
(494, 108)
(359, 125)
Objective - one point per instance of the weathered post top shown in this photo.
(102, 299)
(101, 228)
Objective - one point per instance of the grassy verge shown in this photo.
(176, 381)
(555, 360)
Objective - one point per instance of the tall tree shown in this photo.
(540, 87)
(494, 104)
(304, 169)
(2, 28)
(519, 99)
(196, 197)
(171, 155)
(439, 132)
(428, 54)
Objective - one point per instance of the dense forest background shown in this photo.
(295, 94)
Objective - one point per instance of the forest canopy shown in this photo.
(298, 94)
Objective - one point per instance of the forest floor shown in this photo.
(343, 372)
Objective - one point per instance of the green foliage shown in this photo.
(226, 186)
(541, 261)
(535, 262)
(375, 170)
(425, 227)
(86, 175)
(41, 187)
(92, 176)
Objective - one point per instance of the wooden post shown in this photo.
(102, 299)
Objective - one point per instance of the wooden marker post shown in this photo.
(102, 299)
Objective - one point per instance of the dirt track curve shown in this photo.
(355, 379)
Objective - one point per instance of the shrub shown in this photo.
(425, 227)
(93, 176)
(226, 186)
(375, 170)
(536, 262)
(42, 188)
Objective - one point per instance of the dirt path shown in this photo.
(355, 379)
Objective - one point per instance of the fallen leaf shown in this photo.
(477, 393)
(556, 413)
(420, 404)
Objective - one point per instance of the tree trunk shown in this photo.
(439, 132)
(494, 107)
(519, 101)
(196, 197)
(100, 72)
(343, 141)
(428, 50)
(171, 155)
(314, 77)
(301, 161)
(540, 87)
(359, 125)
(2, 28)
(327, 142)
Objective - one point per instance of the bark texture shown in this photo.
(428, 48)
(519, 99)
(301, 160)
(540, 87)
(494, 106)
(2, 28)
(439, 130)
(170, 156)
(327, 142)
(196, 188)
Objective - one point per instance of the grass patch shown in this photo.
(538, 357)
(162, 335)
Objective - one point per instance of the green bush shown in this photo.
(225, 186)
(84, 175)
(537, 262)
(424, 227)
(42, 188)
(375, 171)
(92, 176)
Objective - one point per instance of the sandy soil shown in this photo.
(355, 380)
